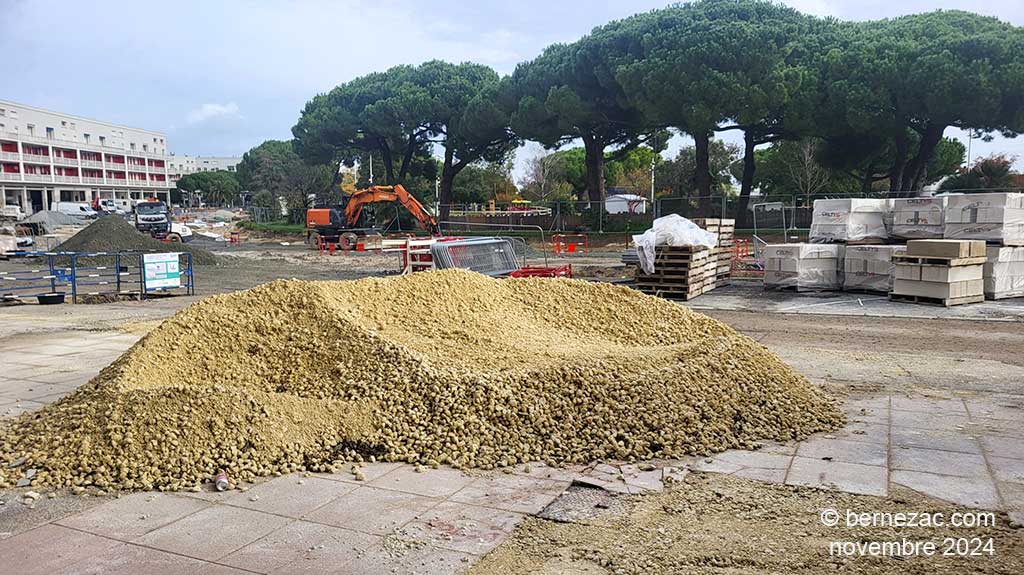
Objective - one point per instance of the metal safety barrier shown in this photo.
(81, 274)
(490, 256)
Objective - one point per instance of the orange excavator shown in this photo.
(342, 222)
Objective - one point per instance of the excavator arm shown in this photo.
(375, 194)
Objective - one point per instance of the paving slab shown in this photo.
(133, 516)
(938, 461)
(465, 528)
(50, 549)
(373, 510)
(316, 547)
(969, 491)
(864, 432)
(837, 475)
(511, 492)
(1000, 446)
(370, 472)
(843, 450)
(290, 495)
(213, 532)
(1006, 469)
(925, 420)
(128, 559)
(441, 482)
(758, 459)
(423, 560)
(777, 476)
(929, 405)
(957, 441)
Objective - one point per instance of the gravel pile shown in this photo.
(50, 220)
(114, 234)
(445, 367)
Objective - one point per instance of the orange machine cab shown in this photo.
(318, 217)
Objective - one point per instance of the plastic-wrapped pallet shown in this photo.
(849, 220)
(997, 217)
(805, 267)
(918, 217)
(870, 268)
(1004, 272)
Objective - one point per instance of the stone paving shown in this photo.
(967, 450)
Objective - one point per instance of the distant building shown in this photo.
(625, 204)
(47, 156)
(181, 165)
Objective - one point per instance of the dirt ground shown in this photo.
(713, 524)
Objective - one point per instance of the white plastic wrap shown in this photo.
(870, 268)
(849, 220)
(918, 218)
(1004, 272)
(804, 266)
(997, 217)
(670, 230)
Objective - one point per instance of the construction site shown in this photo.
(755, 304)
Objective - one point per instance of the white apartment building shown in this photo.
(183, 165)
(46, 157)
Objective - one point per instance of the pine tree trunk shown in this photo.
(702, 172)
(445, 193)
(747, 184)
(913, 177)
(594, 158)
(898, 165)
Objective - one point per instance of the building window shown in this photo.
(145, 147)
(49, 133)
(3, 112)
(133, 146)
(86, 138)
(31, 129)
(103, 140)
(63, 124)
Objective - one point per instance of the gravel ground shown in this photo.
(714, 524)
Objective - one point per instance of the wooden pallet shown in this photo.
(935, 261)
(866, 242)
(671, 293)
(944, 302)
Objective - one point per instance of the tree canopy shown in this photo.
(217, 188)
(867, 103)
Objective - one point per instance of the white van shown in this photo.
(79, 209)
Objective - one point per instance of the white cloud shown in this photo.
(208, 111)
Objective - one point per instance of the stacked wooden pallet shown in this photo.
(940, 272)
(725, 228)
(680, 272)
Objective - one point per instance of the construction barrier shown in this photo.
(81, 274)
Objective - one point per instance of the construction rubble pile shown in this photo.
(296, 375)
(114, 234)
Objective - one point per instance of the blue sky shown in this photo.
(222, 76)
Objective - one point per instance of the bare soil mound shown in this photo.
(114, 234)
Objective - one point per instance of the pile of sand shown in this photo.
(445, 367)
(114, 234)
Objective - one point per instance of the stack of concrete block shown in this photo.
(942, 272)
(870, 268)
(918, 218)
(1004, 272)
(994, 218)
(850, 221)
(804, 267)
